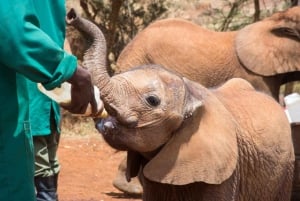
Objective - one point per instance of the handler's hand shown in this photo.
(82, 92)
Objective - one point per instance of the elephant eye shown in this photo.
(153, 100)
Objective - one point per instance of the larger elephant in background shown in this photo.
(266, 53)
(189, 143)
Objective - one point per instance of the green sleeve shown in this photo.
(29, 50)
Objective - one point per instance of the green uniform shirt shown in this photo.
(27, 52)
(40, 104)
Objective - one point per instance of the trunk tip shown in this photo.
(71, 16)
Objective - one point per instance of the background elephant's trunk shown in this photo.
(95, 57)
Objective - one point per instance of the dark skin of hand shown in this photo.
(82, 92)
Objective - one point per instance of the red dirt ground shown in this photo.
(88, 167)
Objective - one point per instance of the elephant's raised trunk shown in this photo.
(95, 57)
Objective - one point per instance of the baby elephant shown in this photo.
(189, 143)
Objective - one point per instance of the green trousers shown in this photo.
(46, 160)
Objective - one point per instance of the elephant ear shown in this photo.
(271, 46)
(204, 149)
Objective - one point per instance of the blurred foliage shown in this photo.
(120, 20)
(229, 15)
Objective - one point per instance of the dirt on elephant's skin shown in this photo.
(88, 167)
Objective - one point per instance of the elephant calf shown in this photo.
(190, 143)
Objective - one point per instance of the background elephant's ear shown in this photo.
(204, 149)
(271, 46)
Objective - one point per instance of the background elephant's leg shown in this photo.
(133, 187)
(296, 183)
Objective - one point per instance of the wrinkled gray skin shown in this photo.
(188, 143)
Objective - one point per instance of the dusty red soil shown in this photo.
(88, 167)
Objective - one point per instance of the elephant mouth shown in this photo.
(107, 126)
(110, 129)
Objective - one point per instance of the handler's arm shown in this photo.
(30, 51)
